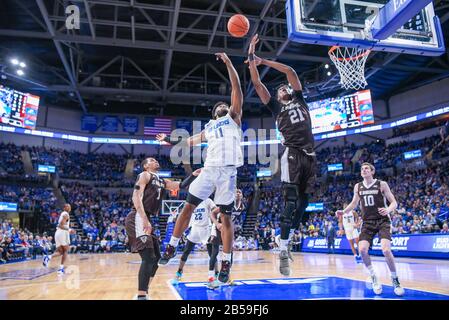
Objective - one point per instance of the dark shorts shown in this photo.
(298, 168)
(372, 227)
(139, 241)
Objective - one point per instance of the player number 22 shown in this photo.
(295, 115)
(198, 216)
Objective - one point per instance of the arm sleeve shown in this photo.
(273, 106)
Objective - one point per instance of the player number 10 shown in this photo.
(369, 201)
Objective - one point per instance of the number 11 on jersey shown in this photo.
(219, 133)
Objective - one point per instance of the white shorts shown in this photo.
(222, 180)
(62, 238)
(351, 233)
(199, 234)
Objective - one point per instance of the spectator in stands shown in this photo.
(330, 232)
(445, 228)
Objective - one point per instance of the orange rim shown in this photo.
(367, 52)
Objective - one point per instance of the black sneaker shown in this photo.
(169, 253)
(224, 272)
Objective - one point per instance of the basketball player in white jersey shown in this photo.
(372, 195)
(62, 239)
(349, 222)
(224, 155)
(200, 224)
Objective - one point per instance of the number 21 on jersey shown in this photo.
(295, 115)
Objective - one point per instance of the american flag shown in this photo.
(153, 126)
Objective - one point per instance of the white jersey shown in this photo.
(223, 137)
(64, 214)
(201, 215)
(348, 221)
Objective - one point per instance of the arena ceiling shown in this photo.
(157, 56)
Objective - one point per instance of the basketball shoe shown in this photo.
(169, 253)
(398, 290)
(284, 267)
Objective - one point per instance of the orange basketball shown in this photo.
(238, 25)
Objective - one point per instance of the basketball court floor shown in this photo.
(255, 274)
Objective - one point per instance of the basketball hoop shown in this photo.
(350, 63)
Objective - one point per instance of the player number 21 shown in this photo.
(295, 115)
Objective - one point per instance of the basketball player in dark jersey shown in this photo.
(147, 199)
(298, 161)
(372, 194)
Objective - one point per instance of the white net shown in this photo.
(350, 63)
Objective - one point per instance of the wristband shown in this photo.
(168, 140)
(251, 57)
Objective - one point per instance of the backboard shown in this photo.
(347, 23)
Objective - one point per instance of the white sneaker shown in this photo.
(61, 271)
(398, 290)
(46, 261)
(284, 267)
(377, 286)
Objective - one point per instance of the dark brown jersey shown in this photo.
(152, 195)
(371, 199)
(294, 123)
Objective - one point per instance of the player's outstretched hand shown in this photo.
(383, 211)
(197, 172)
(339, 213)
(223, 56)
(161, 136)
(252, 45)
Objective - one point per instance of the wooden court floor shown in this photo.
(114, 276)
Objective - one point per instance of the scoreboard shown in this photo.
(18, 109)
(342, 113)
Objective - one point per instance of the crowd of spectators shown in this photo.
(18, 244)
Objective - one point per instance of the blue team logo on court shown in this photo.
(316, 288)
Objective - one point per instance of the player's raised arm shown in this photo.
(292, 77)
(236, 89)
(191, 141)
(385, 189)
(139, 187)
(254, 61)
(175, 185)
(354, 203)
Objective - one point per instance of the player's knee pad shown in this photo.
(301, 204)
(154, 267)
(187, 249)
(290, 192)
(193, 200)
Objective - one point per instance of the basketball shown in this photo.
(238, 25)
